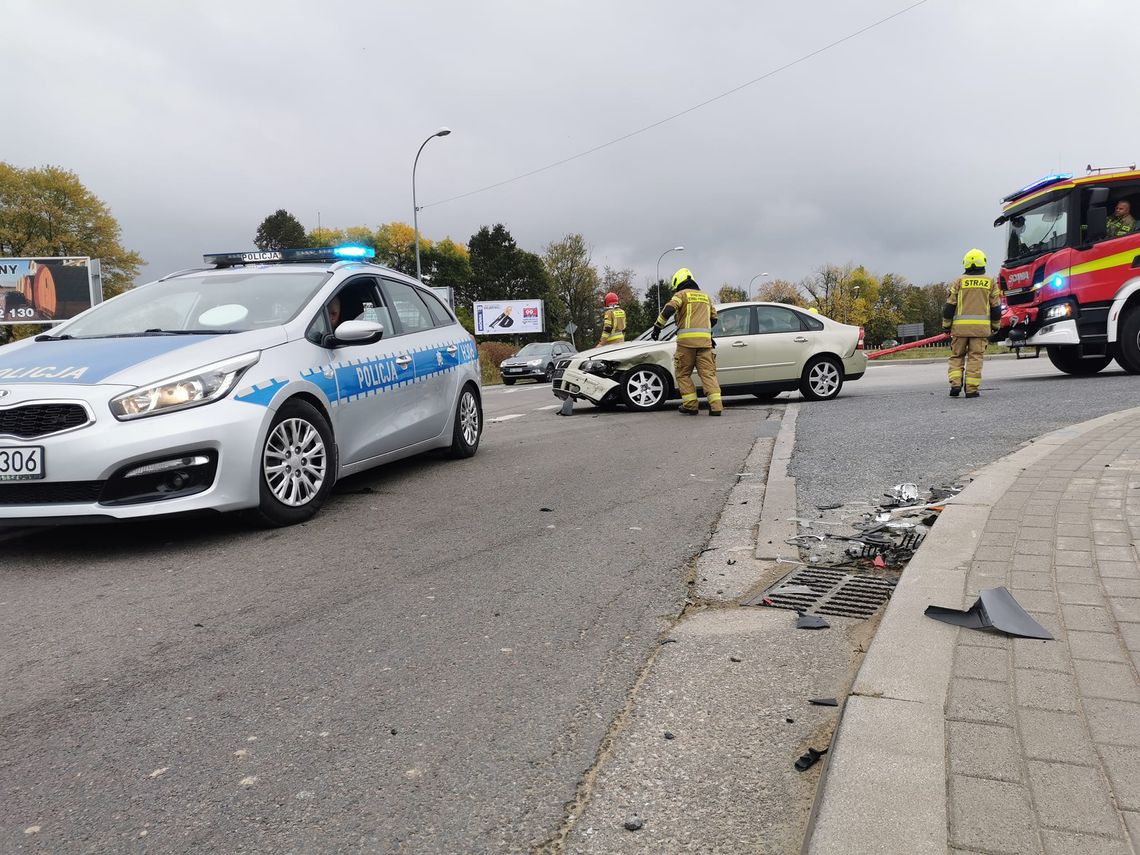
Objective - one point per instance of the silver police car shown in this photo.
(251, 384)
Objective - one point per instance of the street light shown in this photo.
(442, 132)
(657, 283)
(750, 281)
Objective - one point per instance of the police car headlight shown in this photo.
(192, 389)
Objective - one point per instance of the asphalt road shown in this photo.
(429, 666)
(897, 424)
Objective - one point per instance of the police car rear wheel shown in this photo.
(297, 463)
(468, 426)
(822, 379)
(645, 388)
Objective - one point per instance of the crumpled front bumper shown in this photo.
(571, 382)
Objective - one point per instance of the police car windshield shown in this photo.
(234, 301)
(1039, 230)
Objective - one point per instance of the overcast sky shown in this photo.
(194, 120)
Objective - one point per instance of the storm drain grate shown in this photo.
(827, 592)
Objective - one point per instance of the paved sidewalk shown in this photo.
(969, 742)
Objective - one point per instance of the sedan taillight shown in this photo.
(859, 346)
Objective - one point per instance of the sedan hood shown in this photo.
(127, 361)
(626, 350)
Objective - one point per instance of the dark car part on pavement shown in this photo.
(995, 609)
(809, 759)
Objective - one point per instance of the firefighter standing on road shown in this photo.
(695, 319)
(972, 312)
(613, 322)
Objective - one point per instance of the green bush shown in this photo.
(491, 356)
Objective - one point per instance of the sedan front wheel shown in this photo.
(645, 388)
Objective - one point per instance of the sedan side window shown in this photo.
(409, 308)
(776, 319)
(357, 300)
(730, 322)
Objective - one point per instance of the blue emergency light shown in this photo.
(1037, 185)
(283, 256)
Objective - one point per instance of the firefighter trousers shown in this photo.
(968, 351)
(704, 360)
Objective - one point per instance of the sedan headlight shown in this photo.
(535, 362)
(601, 367)
(192, 389)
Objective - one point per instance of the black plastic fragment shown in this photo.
(824, 702)
(547, 510)
(995, 610)
(809, 759)
(634, 823)
(811, 622)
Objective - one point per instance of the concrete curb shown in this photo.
(886, 781)
(776, 524)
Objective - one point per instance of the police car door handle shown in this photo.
(800, 339)
(452, 349)
(403, 361)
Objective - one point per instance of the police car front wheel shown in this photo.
(297, 465)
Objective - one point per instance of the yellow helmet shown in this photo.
(974, 258)
(681, 276)
(813, 310)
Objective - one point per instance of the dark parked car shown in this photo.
(536, 361)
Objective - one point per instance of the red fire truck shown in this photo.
(1072, 271)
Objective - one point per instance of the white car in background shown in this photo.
(763, 349)
(251, 384)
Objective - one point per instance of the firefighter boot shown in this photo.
(955, 391)
(973, 393)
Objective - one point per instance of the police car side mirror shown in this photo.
(354, 333)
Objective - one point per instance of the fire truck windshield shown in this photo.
(1038, 230)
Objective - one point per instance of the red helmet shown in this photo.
(612, 299)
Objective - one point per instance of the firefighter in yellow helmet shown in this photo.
(613, 322)
(695, 317)
(971, 314)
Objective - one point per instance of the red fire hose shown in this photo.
(875, 354)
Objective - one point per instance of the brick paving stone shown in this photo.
(1083, 575)
(1113, 722)
(979, 700)
(983, 751)
(1051, 622)
(1029, 564)
(1109, 525)
(1077, 594)
(1130, 635)
(1122, 765)
(1044, 533)
(1037, 580)
(1090, 618)
(1034, 547)
(1074, 544)
(1069, 529)
(1106, 680)
(1114, 553)
(1043, 655)
(1112, 538)
(992, 816)
(1125, 609)
(1075, 798)
(1121, 587)
(1045, 690)
(1063, 558)
(1095, 646)
(982, 663)
(1118, 570)
(1035, 601)
(1132, 823)
(1061, 737)
(1071, 843)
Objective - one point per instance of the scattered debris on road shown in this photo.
(811, 622)
(634, 823)
(808, 759)
(995, 609)
(824, 702)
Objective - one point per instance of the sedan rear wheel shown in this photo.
(822, 379)
(645, 388)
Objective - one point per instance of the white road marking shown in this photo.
(505, 418)
(551, 407)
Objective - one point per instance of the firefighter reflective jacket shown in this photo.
(613, 326)
(695, 317)
(973, 308)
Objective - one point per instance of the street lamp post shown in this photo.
(657, 282)
(750, 281)
(442, 132)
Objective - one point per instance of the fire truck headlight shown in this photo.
(1057, 313)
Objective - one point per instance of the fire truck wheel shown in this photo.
(1068, 359)
(1128, 341)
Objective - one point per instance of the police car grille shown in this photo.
(33, 420)
(52, 493)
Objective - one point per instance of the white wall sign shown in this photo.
(509, 317)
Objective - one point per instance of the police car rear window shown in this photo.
(439, 312)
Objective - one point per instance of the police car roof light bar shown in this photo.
(284, 256)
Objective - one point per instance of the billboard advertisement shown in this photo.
(509, 317)
(43, 290)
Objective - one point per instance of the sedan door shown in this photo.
(737, 347)
(784, 344)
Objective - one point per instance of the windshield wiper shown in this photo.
(157, 331)
(49, 337)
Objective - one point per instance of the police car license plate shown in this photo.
(21, 463)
